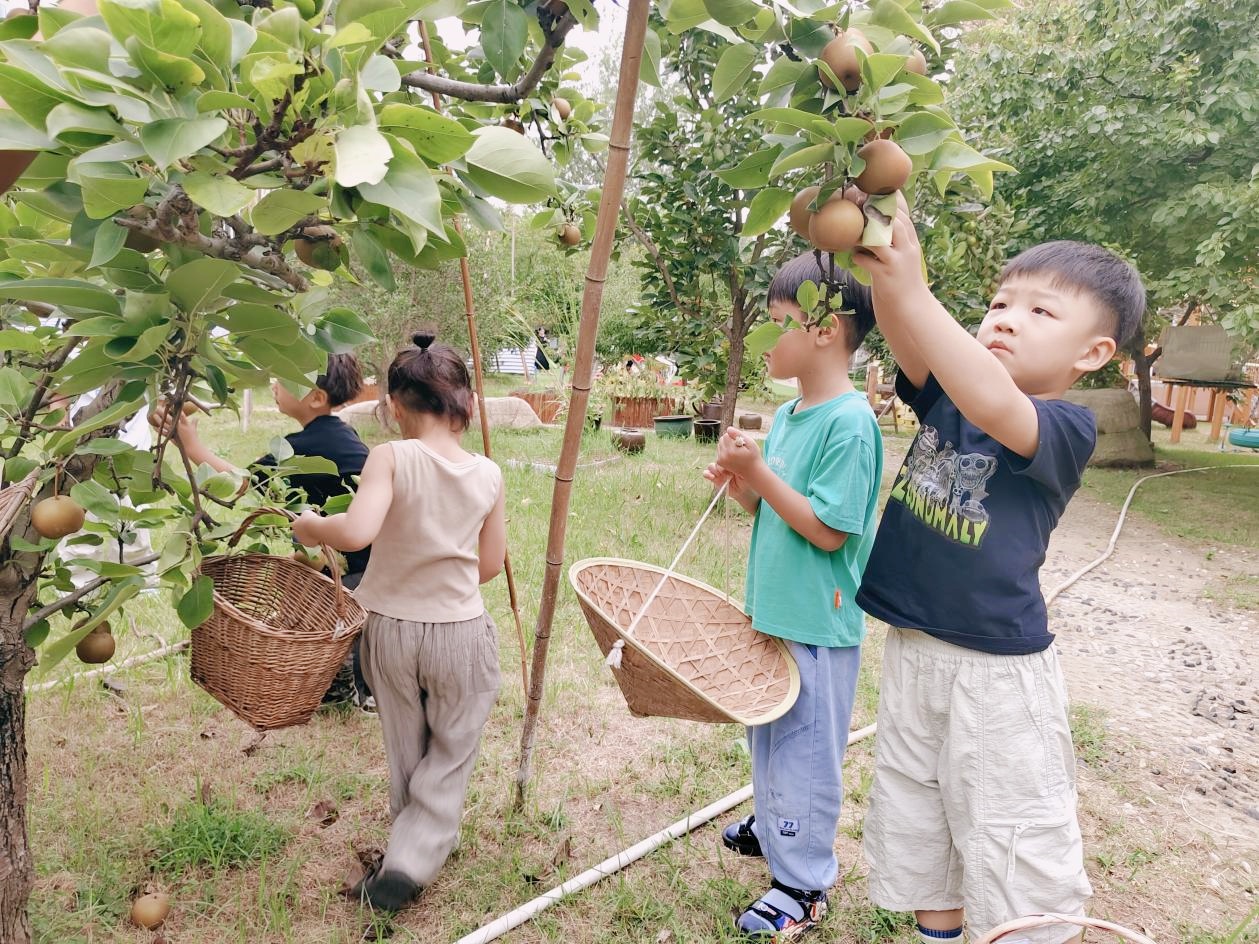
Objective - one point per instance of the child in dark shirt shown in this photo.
(973, 807)
(322, 435)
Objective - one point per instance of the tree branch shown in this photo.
(72, 598)
(37, 398)
(499, 94)
(641, 235)
(246, 247)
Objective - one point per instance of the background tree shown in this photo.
(1130, 124)
(205, 174)
(703, 286)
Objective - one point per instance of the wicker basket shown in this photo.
(694, 655)
(276, 638)
(1032, 922)
(13, 498)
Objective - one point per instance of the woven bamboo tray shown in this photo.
(276, 638)
(1032, 922)
(13, 497)
(694, 654)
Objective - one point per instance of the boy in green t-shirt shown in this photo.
(814, 495)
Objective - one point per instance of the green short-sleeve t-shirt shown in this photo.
(832, 454)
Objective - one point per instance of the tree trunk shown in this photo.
(1142, 364)
(17, 870)
(734, 364)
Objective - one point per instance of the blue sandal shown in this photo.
(782, 913)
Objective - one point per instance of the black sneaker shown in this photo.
(389, 892)
(740, 837)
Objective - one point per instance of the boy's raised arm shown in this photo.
(973, 378)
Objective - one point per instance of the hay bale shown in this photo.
(1120, 441)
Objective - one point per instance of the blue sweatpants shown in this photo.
(797, 765)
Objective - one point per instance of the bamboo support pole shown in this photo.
(583, 368)
(469, 308)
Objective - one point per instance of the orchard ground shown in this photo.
(148, 781)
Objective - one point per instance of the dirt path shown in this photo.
(1174, 672)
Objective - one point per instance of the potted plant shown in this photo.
(544, 393)
(673, 427)
(636, 399)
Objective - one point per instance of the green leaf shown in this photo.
(280, 209)
(851, 130)
(218, 101)
(172, 73)
(17, 135)
(279, 362)
(195, 606)
(14, 339)
(881, 68)
(15, 389)
(196, 285)
(957, 156)
(374, 258)
(80, 48)
(341, 331)
(649, 68)
(30, 98)
(362, 156)
(732, 12)
(504, 35)
(260, 321)
(108, 188)
(804, 157)
(790, 117)
(138, 348)
(218, 193)
(36, 635)
(97, 499)
(64, 293)
(80, 126)
(891, 15)
(408, 188)
(107, 243)
(922, 132)
(954, 12)
(733, 71)
(380, 75)
(381, 18)
(509, 166)
(751, 172)
(172, 139)
(159, 24)
(760, 339)
(783, 74)
(766, 209)
(435, 137)
(807, 296)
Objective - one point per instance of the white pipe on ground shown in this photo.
(610, 866)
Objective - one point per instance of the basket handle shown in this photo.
(1045, 920)
(330, 556)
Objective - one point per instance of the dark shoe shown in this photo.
(740, 837)
(389, 892)
(782, 913)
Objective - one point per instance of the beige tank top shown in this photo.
(423, 566)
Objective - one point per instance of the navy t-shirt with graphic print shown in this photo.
(967, 524)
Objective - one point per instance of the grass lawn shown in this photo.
(151, 783)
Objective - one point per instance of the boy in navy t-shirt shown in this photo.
(973, 809)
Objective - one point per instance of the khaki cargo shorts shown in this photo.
(974, 802)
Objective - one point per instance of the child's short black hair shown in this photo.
(342, 380)
(856, 297)
(1088, 268)
(432, 378)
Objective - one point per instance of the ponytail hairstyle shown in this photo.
(432, 378)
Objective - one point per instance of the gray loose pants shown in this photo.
(435, 684)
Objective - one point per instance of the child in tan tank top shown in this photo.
(434, 515)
